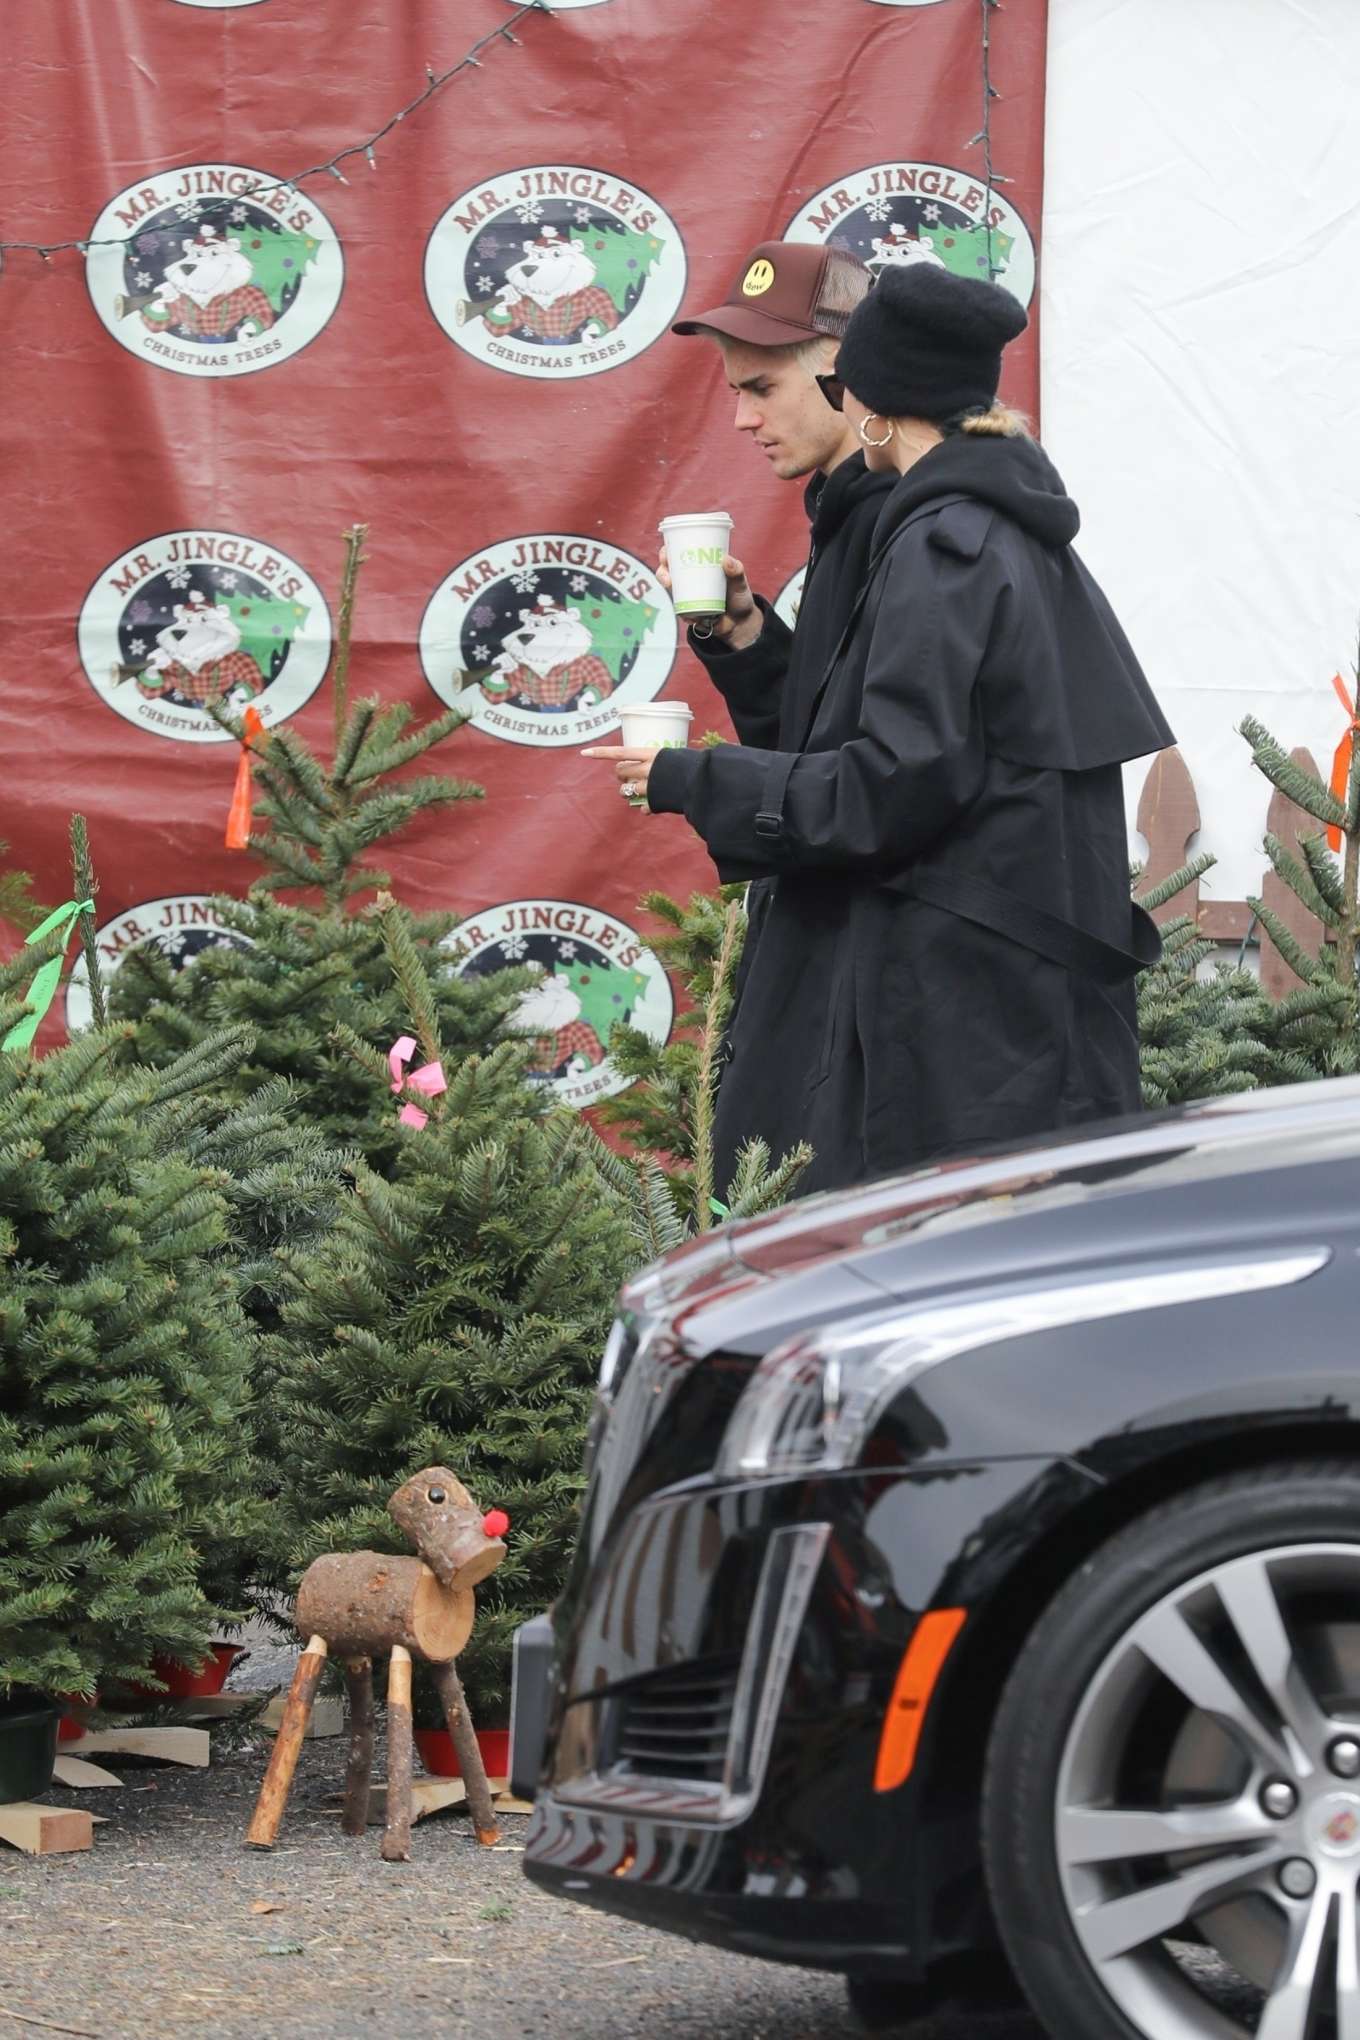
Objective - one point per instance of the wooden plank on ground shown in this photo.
(188, 1746)
(327, 1717)
(436, 1795)
(45, 1830)
(75, 1772)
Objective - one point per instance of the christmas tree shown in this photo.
(130, 1509)
(621, 257)
(1202, 1034)
(456, 1318)
(18, 908)
(1207, 1032)
(1316, 1027)
(123, 1435)
(302, 969)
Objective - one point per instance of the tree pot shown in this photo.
(181, 1682)
(28, 1750)
(71, 1727)
(441, 1759)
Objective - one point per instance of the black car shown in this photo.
(971, 1563)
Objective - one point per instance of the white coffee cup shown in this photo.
(655, 725)
(694, 555)
(663, 724)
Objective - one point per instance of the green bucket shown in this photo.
(28, 1750)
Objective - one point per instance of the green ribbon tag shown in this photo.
(719, 1210)
(43, 989)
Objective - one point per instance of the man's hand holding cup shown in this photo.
(741, 622)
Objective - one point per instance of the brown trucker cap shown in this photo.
(773, 302)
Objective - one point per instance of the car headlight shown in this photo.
(628, 1335)
(813, 1400)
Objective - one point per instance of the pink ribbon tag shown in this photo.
(429, 1080)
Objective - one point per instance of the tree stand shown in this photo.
(361, 1605)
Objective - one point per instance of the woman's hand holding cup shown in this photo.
(632, 766)
(646, 728)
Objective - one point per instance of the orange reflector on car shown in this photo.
(915, 1682)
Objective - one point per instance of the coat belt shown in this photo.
(1061, 942)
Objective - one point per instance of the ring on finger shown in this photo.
(628, 789)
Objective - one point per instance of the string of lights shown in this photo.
(435, 81)
(990, 175)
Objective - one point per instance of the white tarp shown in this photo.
(1201, 364)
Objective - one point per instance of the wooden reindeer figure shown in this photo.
(361, 1605)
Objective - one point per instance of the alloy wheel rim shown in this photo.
(1209, 1798)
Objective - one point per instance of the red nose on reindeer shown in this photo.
(495, 1522)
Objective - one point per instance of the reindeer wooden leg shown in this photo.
(278, 1778)
(454, 1703)
(396, 1841)
(359, 1769)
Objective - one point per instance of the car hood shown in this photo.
(1096, 1194)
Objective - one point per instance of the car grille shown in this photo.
(678, 1724)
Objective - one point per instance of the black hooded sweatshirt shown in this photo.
(948, 951)
(768, 686)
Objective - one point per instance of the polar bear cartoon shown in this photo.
(549, 663)
(209, 292)
(199, 656)
(900, 249)
(552, 294)
(564, 1044)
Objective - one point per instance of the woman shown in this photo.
(948, 957)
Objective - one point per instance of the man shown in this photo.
(779, 328)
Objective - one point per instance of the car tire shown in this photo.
(1282, 1510)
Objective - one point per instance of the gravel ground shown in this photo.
(170, 1925)
(162, 1928)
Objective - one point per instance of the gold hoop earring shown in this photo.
(875, 442)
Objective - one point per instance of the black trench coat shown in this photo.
(946, 958)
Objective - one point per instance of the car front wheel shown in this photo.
(1171, 1809)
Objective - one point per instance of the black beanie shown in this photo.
(927, 344)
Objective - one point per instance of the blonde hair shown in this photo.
(999, 421)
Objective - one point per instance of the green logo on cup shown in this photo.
(702, 556)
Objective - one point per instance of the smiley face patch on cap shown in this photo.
(758, 278)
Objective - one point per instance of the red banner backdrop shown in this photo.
(460, 340)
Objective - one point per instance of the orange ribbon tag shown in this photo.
(1341, 760)
(243, 794)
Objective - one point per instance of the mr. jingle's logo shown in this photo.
(554, 270)
(179, 929)
(217, 271)
(541, 640)
(199, 618)
(898, 213)
(596, 972)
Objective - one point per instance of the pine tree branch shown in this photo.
(412, 975)
(352, 738)
(86, 887)
(377, 760)
(349, 582)
(1175, 881)
(706, 1086)
(1299, 879)
(1300, 962)
(1303, 788)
